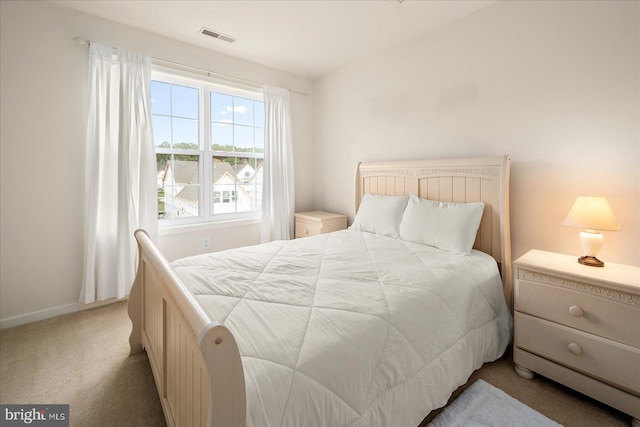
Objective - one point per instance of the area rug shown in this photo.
(484, 405)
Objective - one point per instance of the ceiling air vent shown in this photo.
(217, 35)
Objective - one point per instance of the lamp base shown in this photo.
(591, 261)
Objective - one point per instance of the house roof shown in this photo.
(189, 193)
(238, 167)
(220, 169)
(185, 172)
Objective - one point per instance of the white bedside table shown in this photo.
(318, 222)
(579, 326)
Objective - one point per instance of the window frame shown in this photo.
(206, 195)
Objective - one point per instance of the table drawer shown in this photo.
(609, 361)
(590, 313)
(305, 229)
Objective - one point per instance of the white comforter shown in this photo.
(351, 328)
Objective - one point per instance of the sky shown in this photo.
(232, 119)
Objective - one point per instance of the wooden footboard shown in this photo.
(195, 361)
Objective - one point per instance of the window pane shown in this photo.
(242, 111)
(221, 108)
(162, 166)
(162, 131)
(185, 169)
(181, 190)
(168, 202)
(244, 169)
(243, 138)
(184, 101)
(221, 137)
(246, 177)
(160, 97)
(187, 201)
(259, 113)
(185, 134)
(223, 183)
(258, 179)
(259, 139)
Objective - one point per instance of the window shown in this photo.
(209, 150)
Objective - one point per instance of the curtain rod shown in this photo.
(210, 73)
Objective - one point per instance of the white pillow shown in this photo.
(380, 214)
(449, 226)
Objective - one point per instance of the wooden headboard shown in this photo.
(483, 179)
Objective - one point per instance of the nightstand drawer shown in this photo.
(305, 229)
(318, 222)
(590, 313)
(609, 361)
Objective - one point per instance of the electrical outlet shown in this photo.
(206, 242)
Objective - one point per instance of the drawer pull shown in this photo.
(574, 348)
(576, 311)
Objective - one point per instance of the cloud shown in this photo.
(240, 109)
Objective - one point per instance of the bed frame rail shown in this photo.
(195, 361)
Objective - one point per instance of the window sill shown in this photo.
(168, 230)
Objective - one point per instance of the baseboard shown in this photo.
(49, 313)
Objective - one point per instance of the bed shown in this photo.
(367, 326)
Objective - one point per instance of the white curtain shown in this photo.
(278, 185)
(120, 171)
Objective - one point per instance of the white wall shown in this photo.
(554, 84)
(175, 244)
(43, 121)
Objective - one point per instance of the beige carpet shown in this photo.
(83, 359)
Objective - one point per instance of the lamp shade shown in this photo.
(592, 213)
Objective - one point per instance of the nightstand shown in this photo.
(579, 326)
(318, 222)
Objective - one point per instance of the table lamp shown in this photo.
(592, 214)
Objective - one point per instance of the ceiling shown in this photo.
(308, 38)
